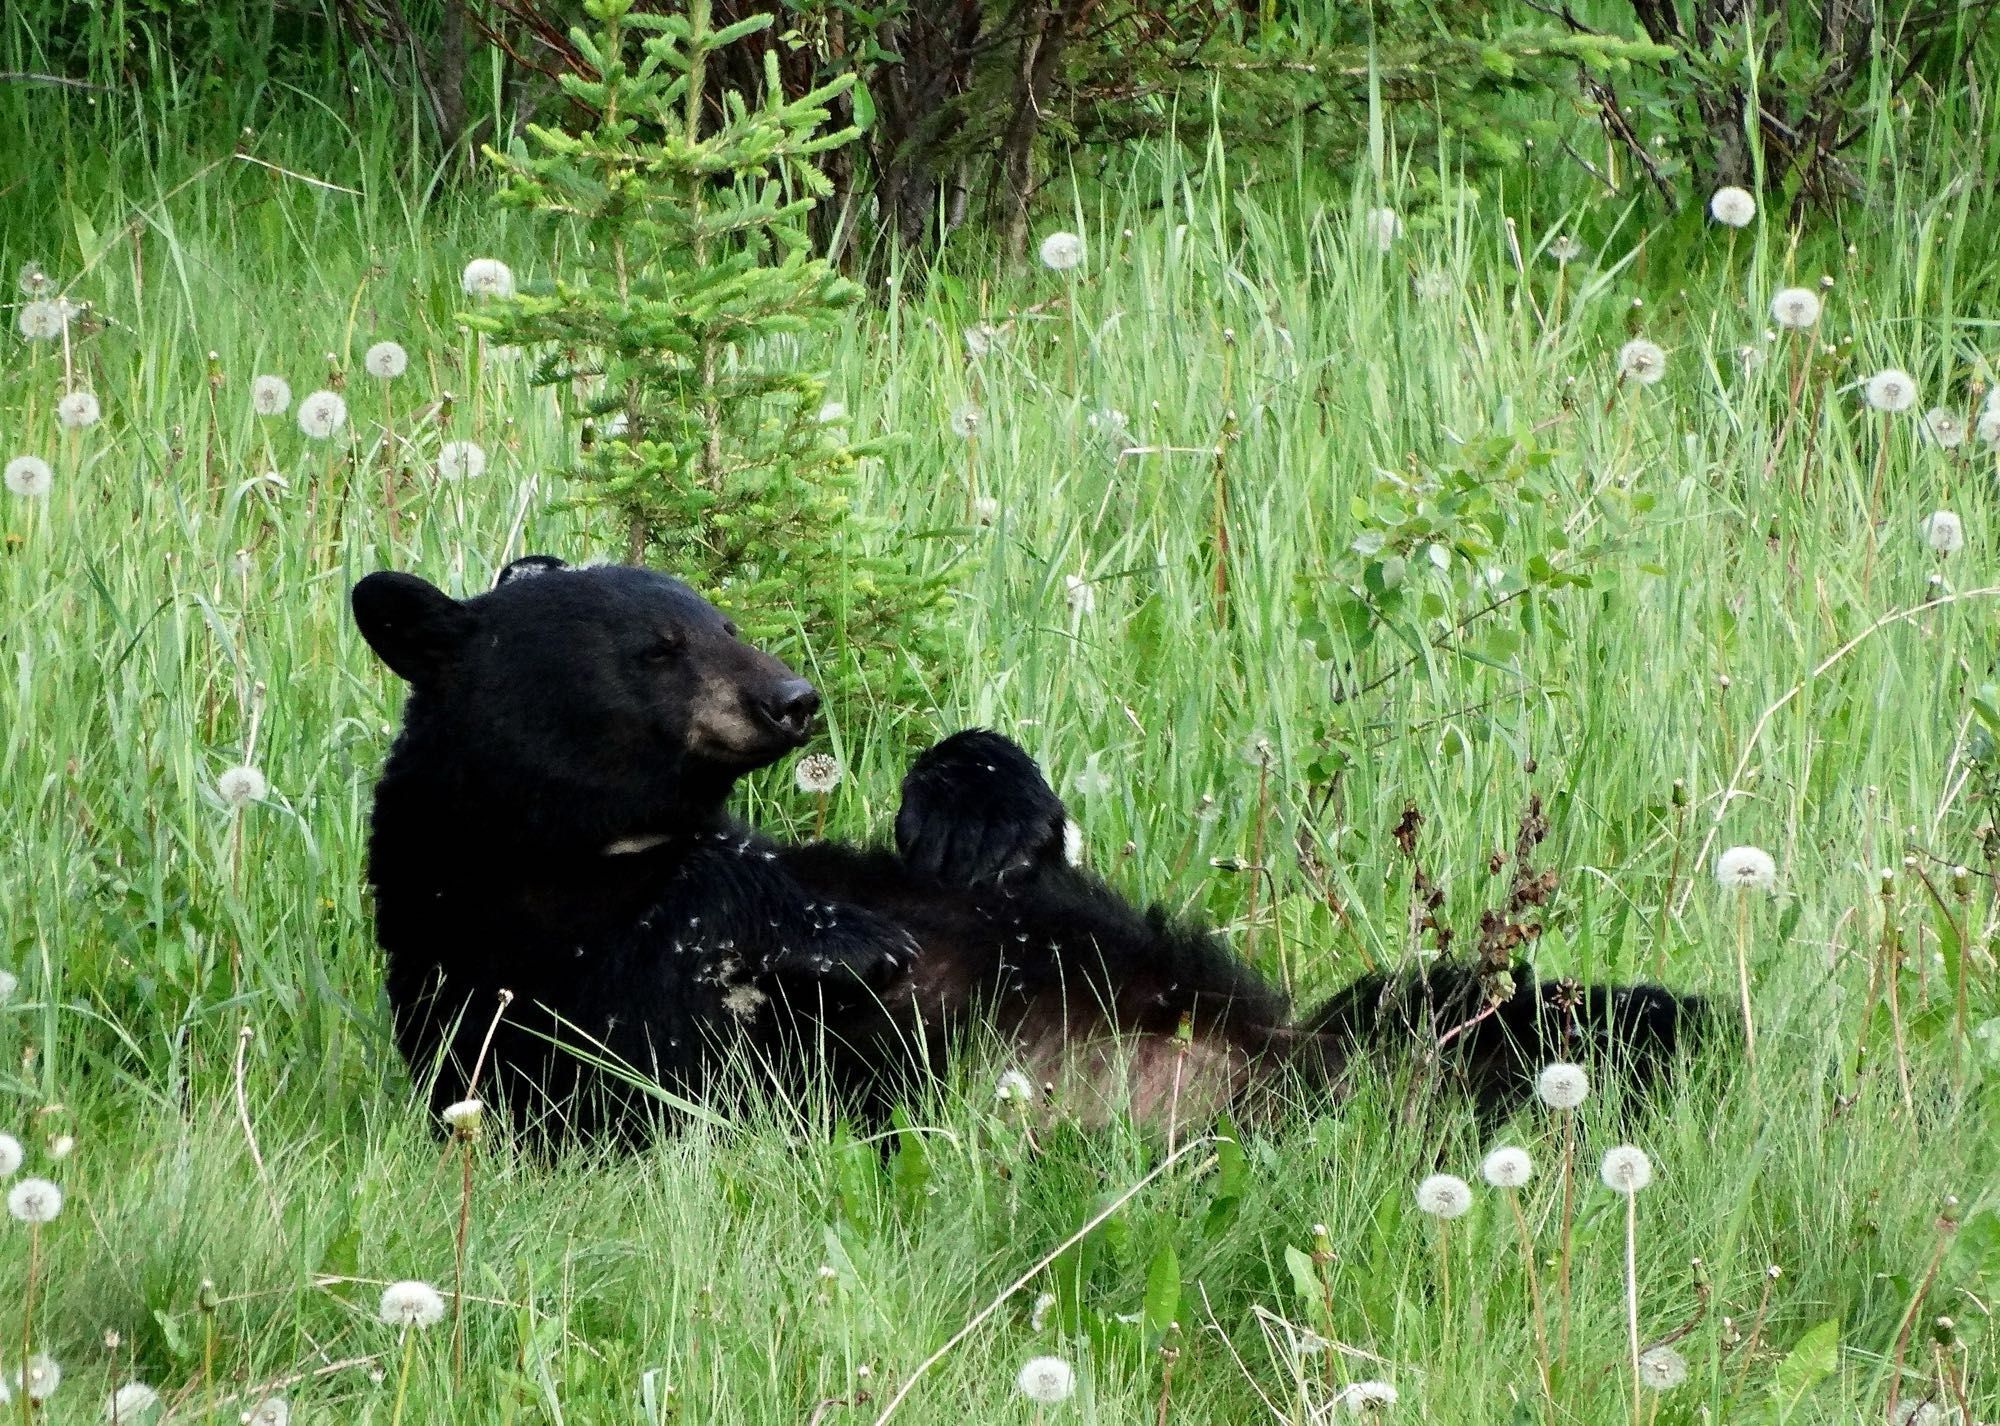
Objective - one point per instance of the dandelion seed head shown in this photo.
(981, 338)
(1077, 591)
(1947, 428)
(464, 1117)
(41, 1377)
(385, 360)
(1444, 1195)
(10, 1156)
(271, 1411)
(965, 419)
(487, 277)
(1890, 389)
(986, 509)
(77, 410)
(34, 1200)
(1562, 1085)
(1795, 308)
(817, 773)
(1642, 362)
(1733, 207)
(62, 1146)
(1365, 1398)
(1014, 1087)
(1507, 1168)
(1746, 869)
(1381, 226)
(461, 460)
(1046, 1380)
(321, 414)
(1987, 427)
(1565, 249)
(34, 282)
(1625, 1169)
(28, 477)
(130, 1401)
(744, 1001)
(270, 395)
(241, 786)
(1662, 1368)
(411, 1304)
(1061, 251)
(43, 320)
(1038, 1315)
(1943, 531)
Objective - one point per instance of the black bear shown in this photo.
(552, 823)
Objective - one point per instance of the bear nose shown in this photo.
(791, 705)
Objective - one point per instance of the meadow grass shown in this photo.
(198, 1001)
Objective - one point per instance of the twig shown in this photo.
(243, 1038)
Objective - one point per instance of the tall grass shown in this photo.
(1752, 637)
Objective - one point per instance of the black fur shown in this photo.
(551, 823)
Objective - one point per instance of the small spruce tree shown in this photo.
(681, 344)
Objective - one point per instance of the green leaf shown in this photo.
(1305, 1277)
(1811, 1361)
(1163, 1295)
(864, 105)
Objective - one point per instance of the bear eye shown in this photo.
(664, 649)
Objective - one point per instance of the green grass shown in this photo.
(752, 1276)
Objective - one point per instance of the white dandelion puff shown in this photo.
(271, 1411)
(1363, 1398)
(1061, 251)
(1642, 362)
(817, 773)
(1111, 426)
(1565, 249)
(461, 460)
(1943, 531)
(11, 1155)
(1746, 869)
(464, 1117)
(42, 321)
(240, 786)
(62, 1146)
(1507, 1168)
(411, 1304)
(1662, 1368)
(34, 1200)
(1014, 1087)
(33, 281)
(1077, 592)
(321, 414)
(1038, 1315)
(1890, 389)
(270, 395)
(41, 1377)
(1562, 1085)
(965, 419)
(986, 509)
(385, 360)
(1046, 1380)
(744, 1001)
(1444, 1195)
(1795, 308)
(28, 477)
(1947, 428)
(130, 1401)
(1625, 1169)
(981, 338)
(1733, 207)
(1987, 427)
(77, 410)
(1381, 226)
(487, 277)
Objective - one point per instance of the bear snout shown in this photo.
(789, 707)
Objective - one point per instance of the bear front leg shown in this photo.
(976, 809)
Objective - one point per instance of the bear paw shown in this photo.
(976, 809)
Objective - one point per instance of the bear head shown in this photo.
(591, 702)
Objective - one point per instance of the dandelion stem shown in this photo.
(1534, 1293)
(1632, 1292)
(403, 1376)
(1568, 1217)
(28, 1319)
(458, 1262)
(1743, 980)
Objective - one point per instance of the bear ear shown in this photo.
(413, 626)
(527, 567)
